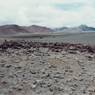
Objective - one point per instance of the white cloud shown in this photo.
(44, 12)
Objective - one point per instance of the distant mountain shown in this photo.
(11, 29)
(16, 29)
(61, 29)
(86, 28)
(81, 28)
(38, 29)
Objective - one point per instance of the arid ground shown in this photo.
(46, 68)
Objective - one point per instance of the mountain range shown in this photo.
(81, 28)
(16, 29)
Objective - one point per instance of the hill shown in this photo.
(16, 29)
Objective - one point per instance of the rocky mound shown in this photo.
(57, 47)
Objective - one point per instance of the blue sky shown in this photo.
(69, 7)
(51, 13)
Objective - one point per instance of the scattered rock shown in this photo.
(35, 68)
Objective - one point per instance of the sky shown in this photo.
(51, 13)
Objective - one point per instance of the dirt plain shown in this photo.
(35, 68)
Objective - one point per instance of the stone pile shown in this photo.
(56, 47)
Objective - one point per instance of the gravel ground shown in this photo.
(42, 71)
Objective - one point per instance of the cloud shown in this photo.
(52, 13)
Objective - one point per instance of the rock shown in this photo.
(18, 67)
(33, 86)
(8, 66)
(33, 72)
(58, 76)
(4, 82)
(90, 57)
